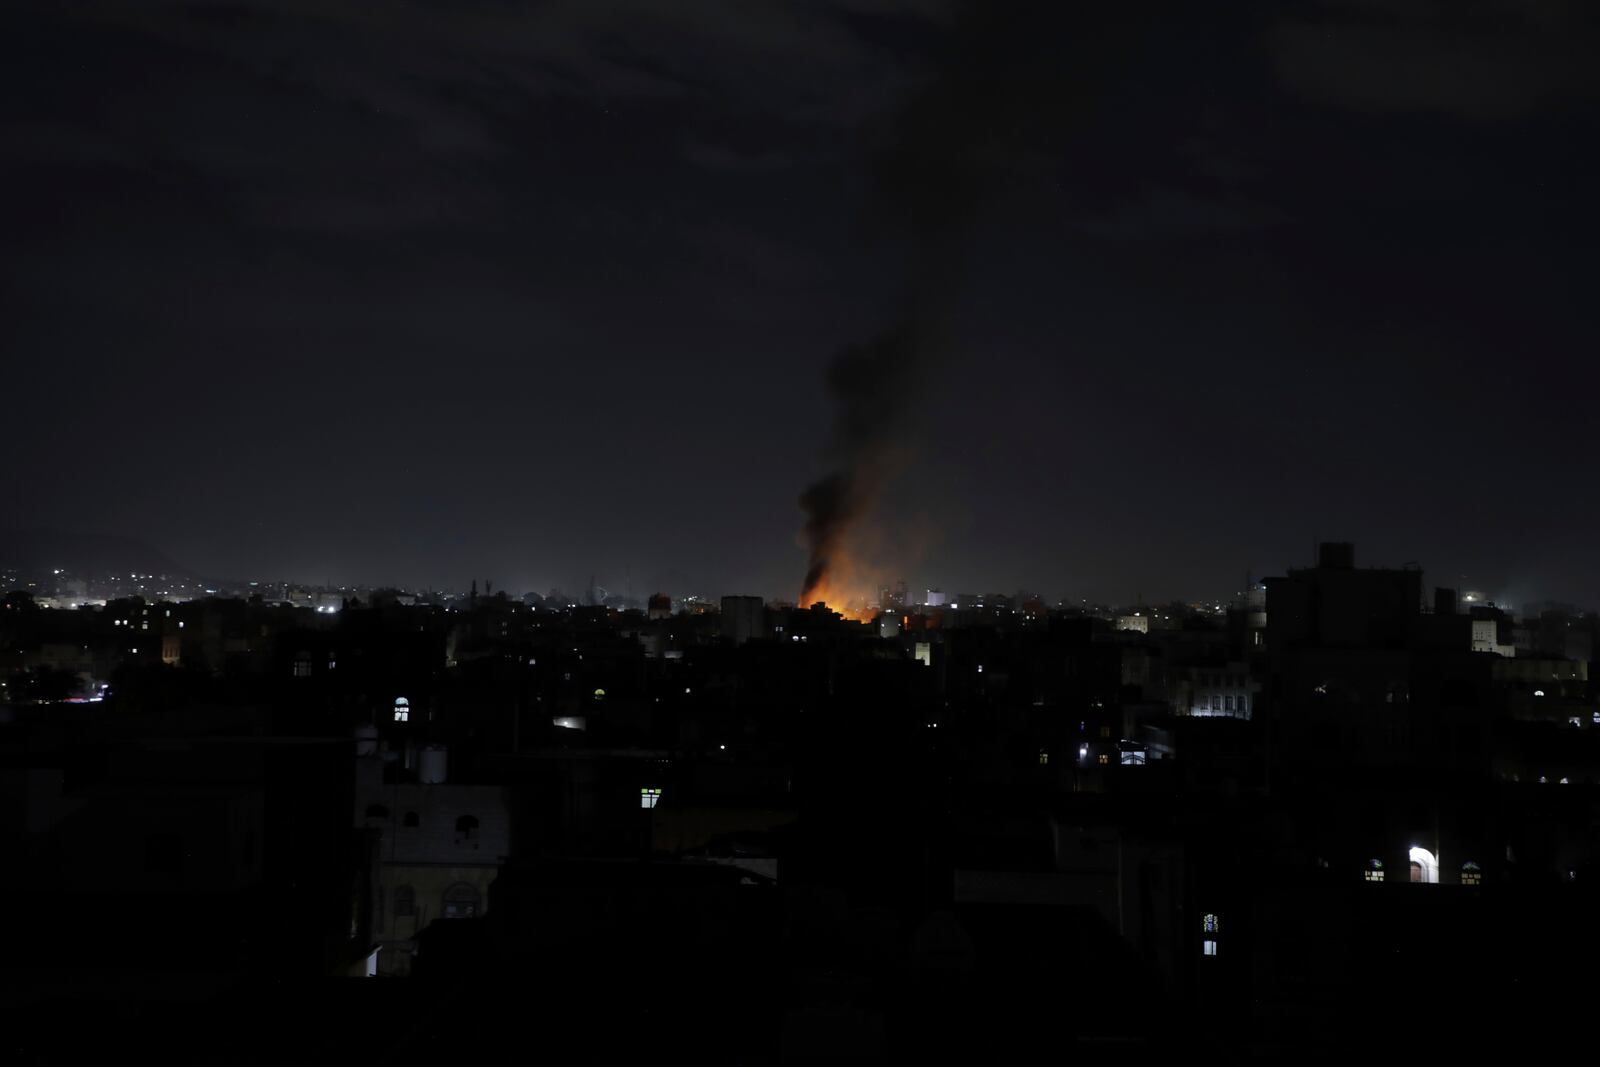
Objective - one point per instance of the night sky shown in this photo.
(432, 291)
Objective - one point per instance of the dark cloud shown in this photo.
(295, 89)
(727, 158)
(1477, 59)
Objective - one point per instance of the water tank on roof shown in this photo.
(431, 763)
(366, 740)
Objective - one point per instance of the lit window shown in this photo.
(402, 710)
(1209, 947)
(1044, 757)
(1211, 923)
(1132, 759)
(302, 668)
(649, 797)
(1471, 874)
(1105, 757)
(1375, 871)
(460, 901)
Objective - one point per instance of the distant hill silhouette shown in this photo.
(84, 553)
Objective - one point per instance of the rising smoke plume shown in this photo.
(863, 381)
(944, 152)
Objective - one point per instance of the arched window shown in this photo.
(410, 819)
(1471, 874)
(405, 901)
(461, 902)
(1375, 871)
(377, 811)
(402, 709)
(1424, 866)
(467, 827)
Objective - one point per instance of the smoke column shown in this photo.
(1001, 105)
(863, 381)
(928, 181)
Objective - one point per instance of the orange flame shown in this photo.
(847, 588)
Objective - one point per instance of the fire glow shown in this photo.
(850, 602)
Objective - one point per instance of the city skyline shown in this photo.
(153, 583)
